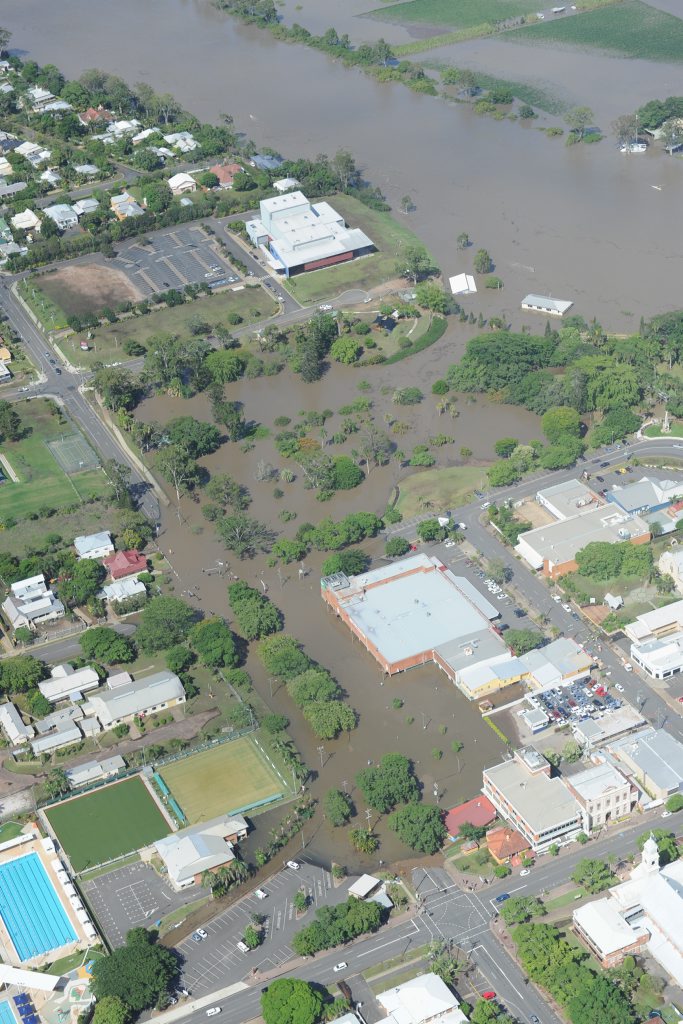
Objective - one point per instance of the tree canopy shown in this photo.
(291, 1001)
(419, 826)
(102, 643)
(138, 973)
(388, 783)
(214, 643)
(165, 621)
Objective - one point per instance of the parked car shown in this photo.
(487, 504)
(619, 687)
(503, 896)
(243, 947)
(524, 872)
(488, 995)
(260, 894)
(196, 937)
(202, 934)
(667, 814)
(628, 667)
(293, 864)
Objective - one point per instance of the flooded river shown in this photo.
(582, 223)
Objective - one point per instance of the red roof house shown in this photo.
(94, 115)
(505, 843)
(124, 563)
(479, 811)
(225, 173)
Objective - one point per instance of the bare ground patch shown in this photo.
(87, 288)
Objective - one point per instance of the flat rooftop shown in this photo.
(597, 780)
(558, 542)
(568, 498)
(543, 803)
(418, 605)
(670, 617)
(657, 754)
(661, 655)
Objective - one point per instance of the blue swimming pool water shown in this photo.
(31, 909)
(6, 1015)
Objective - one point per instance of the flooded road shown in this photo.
(581, 223)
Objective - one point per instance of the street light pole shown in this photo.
(321, 751)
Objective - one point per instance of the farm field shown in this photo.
(41, 481)
(107, 823)
(460, 14)
(231, 777)
(629, 29)
(252, 303)
(364, 273)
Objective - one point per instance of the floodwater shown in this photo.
(582, 223)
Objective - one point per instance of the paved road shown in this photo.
(60, 650)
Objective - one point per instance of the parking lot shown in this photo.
(173, 259)
(576, 702)
(131, 896)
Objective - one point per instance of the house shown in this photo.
(94, 545)
(181, 183)
(5, 231)
(30, 602)
(5, 374)
(226, 173)
(552, 548)
(86, 170)
(364, 887)
(546, 304)
(479, 812)
(604, 793)
(63, 736)
(12, 724)
(657, 640)
(87, 205)
(424, 998)
(143, 135)
(592, 733)
(63, 216)
(39, 98)
(94, 771)
(26, 221)
(68, 682)
(645, 496)
(285, 184)
(121, 590)
(5, 354)
(462, 284)
(95, 115)
(614, 601)
(8, 249)
(154, 693)
(6, 169)
(298, 235)
(124, 563)
(183, 141)
(125, 206)
(118, 130)
(658, 623)
(505, 843)
(34, 153)
(51, 177)
(540, 807)
(266, 162)
(11, 190)
(654, 759)
(209, 846)
(643, 913)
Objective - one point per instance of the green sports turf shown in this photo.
(225, 778)
(107, 823)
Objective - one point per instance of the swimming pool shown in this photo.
(31, 909)
(6, 1015)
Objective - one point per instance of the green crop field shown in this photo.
(455, 13)
(41, 481)
(227, 778)
(629, 29)
(107, 823)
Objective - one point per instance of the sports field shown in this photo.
(231, 777)
(107, 823)
(463, 14)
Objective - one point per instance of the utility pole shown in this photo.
(368, 815)
(424, 720)
(321, 751)
(345, 785)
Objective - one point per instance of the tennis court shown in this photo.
(228, 778)
(107, 823)
(73, 454)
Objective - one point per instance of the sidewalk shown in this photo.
(184, 1008)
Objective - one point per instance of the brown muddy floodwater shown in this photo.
(582, 223)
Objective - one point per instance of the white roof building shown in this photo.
(603, 792)
(88, 205)
(462, 284)
(64, 216)
(31, 601)
(26, 221)
(546, 304)
(12, 724)
(654, 758)
(425, 998)
(657, 623)
(64, 736)
(92, 771)
(122, 589)
(66, 681)
(87, 170)
(181, 183)
(94, 545)
(650, 904)
(144, 134)
(204, 847)
(184, 141)
(299, 235)
(154, 693)
(364, 886)
(285, 184)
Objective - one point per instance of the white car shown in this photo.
(340, 967)
(628, 667)
(487, 504)
(325, 308)
(260, 894)
(667, 814)
(449, 544)
(556, 598)
(524, 872)
(619, 687)
(202, 934)
(461, 526)
(567, 607)
(212, 1011)
(293, 864)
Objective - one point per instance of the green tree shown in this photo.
(225, 366)
(351, 562)
(21, 673)
(346, 350)
(139, 973)
(256, 615)
(521, 641)
(388, 783)
(291, 1001)
(86, 579)
(179, 658)
(518, 909)
(300, 901)
(337, 806)
(483, 264)
(56, 783)
(157, 196)
(315, 684)
(214, 643)
(571, 751)
(560, 422)
(431, 295)
(111, 1010)
(252, 937)
(11, 427)
(107, 646)
(328, 718)
(505, 447)
(194, 436)
(364, 840)
(346, 474)
(674, 803)
(578, 119)
(502, 474)
(666, 844)
(244, 535)
(282, 656)
(396, 546)
(600, 560)
(225, 491)
(593, 875)
(419, 826)
(414, 262)
(165, 621)
(179, 468)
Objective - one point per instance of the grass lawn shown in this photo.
(30, 533)
(444, 488)
(479, 862)
(252, 303)
(42, 483)
(225, 779)
(455, 13)
(107, 823)
(655, 431)
(631, 29)
(52, 317)
(74, 960)
(387, 965)
(364, 273)
(10, 830)
(563, 901)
